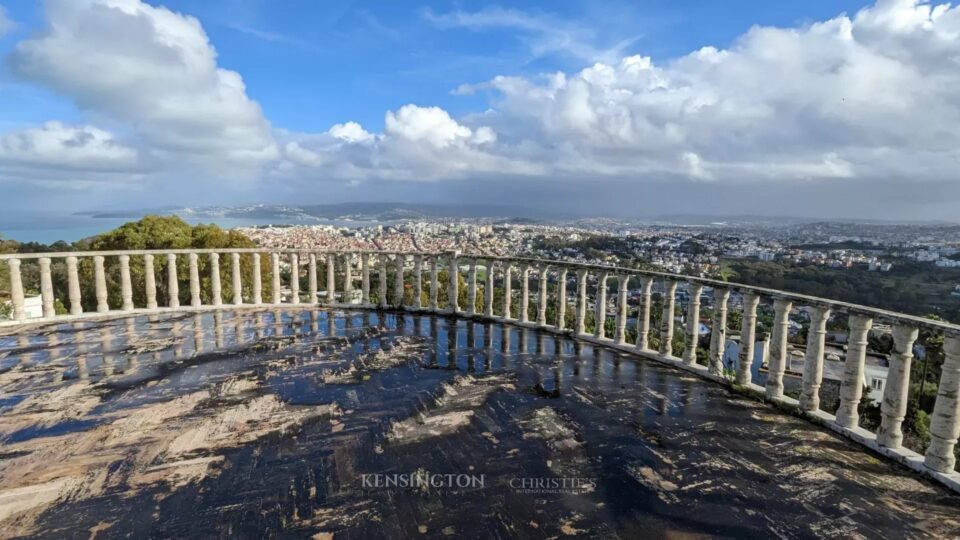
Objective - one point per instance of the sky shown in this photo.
(826, 109)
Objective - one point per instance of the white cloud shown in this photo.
(6, 24)
(151, 69)
(431, 125)
(300, 155)
(849, 97)
(695, 167)
(350, 132)
(57, 145)
(865, 97)
(417, 143)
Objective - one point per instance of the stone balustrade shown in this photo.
(570, 299)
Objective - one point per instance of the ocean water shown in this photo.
(50, 227)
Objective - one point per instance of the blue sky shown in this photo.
(107, 103)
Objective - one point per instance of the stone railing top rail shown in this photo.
(797, 298)
(186, 251)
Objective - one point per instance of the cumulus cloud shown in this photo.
(152, 69)
(869, 96)
(62, 146)
(430, 125)
(417, 143)
(849, 97)
(350, 132)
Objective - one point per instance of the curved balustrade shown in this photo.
(569, 315)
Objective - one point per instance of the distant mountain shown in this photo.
(399, 211)
(507, 213)
(359, 211)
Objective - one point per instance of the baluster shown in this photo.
(126, 287)
(73, 286)
(275, 278)
(851, 388)
(215, 288)
(399, 261)
(194, 280)
(813, 360)
(16, 290)
(472, 288)
(666, 319)
(100, 284)
(454, 287)
(620, 335)
(417, 281)
(562, 300)
(488, 291)
(692, 334)
(945, 422)
(331, 279)
(149, 280)
(765, 356)
(581, 320)
(748, 338)
(312, 277)
(434, 282)
(294, 278)
(778, 347)
(897, 389)
(777, 363)
(718, 334)
(347, 278)
(382, 289)
(46, 288)
(643, 314)
(525, 293)
(507, 290)
(542, 297)
(237, 279)
(365, 277)
(257, 279)
(600, 315)
(173, 287)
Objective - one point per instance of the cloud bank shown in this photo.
(871, 96)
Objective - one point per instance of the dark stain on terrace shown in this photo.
(264, 424)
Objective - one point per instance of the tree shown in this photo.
(160, 233)
(6, 308)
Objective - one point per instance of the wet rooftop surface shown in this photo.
(306, 423)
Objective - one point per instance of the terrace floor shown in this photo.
(292, 423)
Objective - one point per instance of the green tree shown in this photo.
(6, 308)
(159, 233)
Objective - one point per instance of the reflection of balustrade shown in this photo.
(125, 282)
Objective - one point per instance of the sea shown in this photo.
(49, 227)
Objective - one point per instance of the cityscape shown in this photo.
(479, 270)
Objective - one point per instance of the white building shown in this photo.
(32, 305)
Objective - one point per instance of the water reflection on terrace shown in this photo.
(263, 422)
